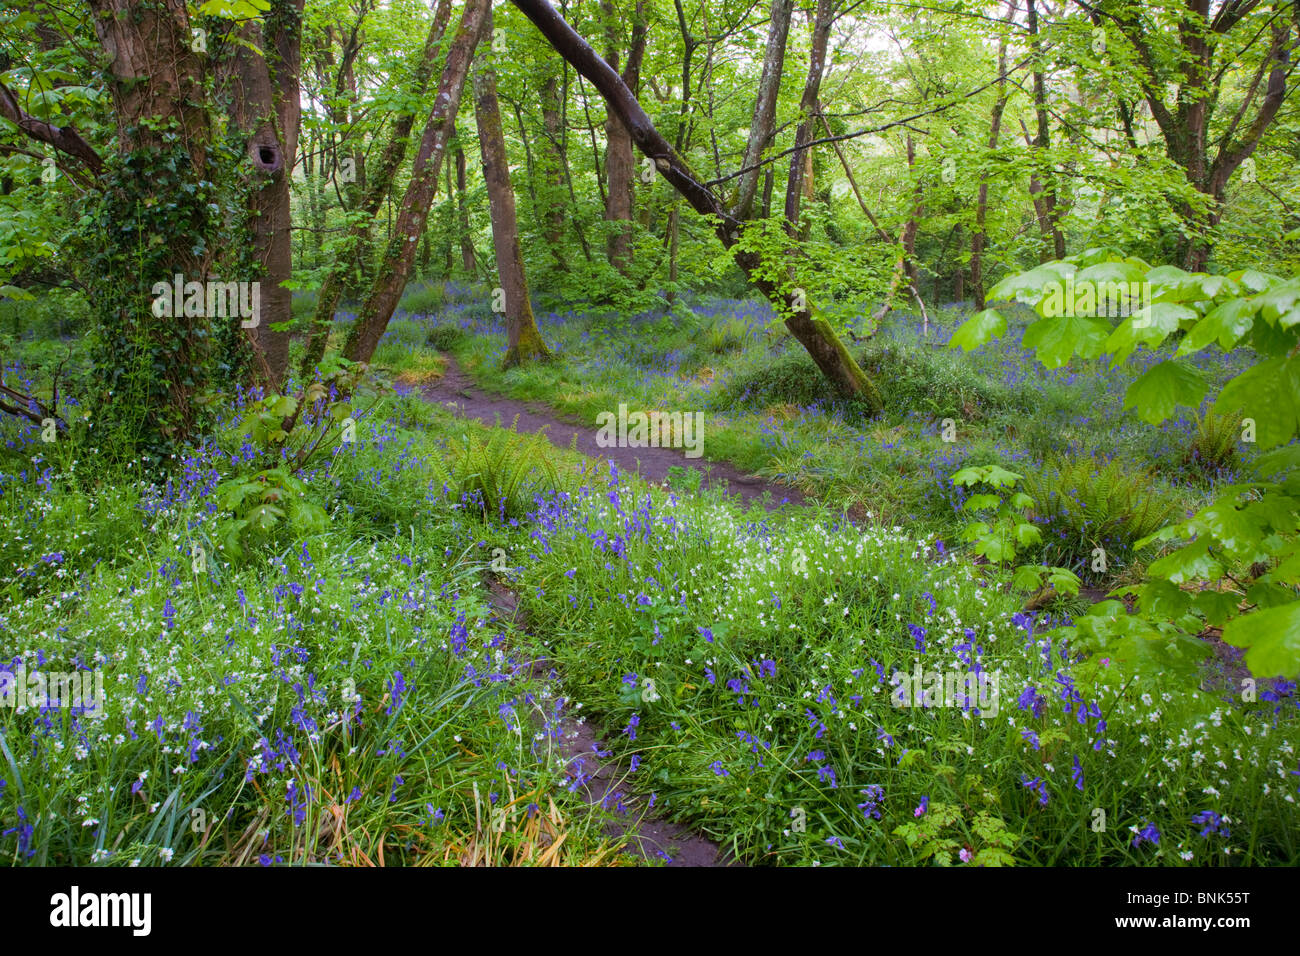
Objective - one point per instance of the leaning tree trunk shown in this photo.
(524, 338)
(378, 185)
(814, 334)
(395, 266)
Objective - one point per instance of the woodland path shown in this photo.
(600, 778)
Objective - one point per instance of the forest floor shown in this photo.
(457, 391)
(414, 678)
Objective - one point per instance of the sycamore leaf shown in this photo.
(1162, 387)
(1148, 326)
(1056, 339)
(1227, 323)
(980, 329)
(1271, 638)
(1269, 393)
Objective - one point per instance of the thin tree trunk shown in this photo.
(467, 257)
(554, 165)
(1042, 184)
(801, 161)
(379, 187)
(619, 158)
(395, 266)
(978, 237)
(764, 120)
(524, 340)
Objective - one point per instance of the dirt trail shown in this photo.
(456, 388)
(605, 782)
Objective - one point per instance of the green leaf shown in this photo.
(979, 502)
(1163, 387)
(1190, 563)
(1056, 339)
(1148, 326)
(1269, 393)
(980, 329)
(1271, 639)
(1228, 322)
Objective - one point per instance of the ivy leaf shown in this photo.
(1058, 338)
(1271, 639)
(980, 329)
(1268, 392)
(1162, 387)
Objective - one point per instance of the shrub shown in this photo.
(1084, 506)
(1213, 447)
(493, 474)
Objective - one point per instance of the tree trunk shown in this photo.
(619, 160)
(266, 106)
(815, 334)
(378, 187)
(395, 266)
(978, 238)
(554, 164)
(524, 340)
(152, 368)
(800, 177)
(1042, 183)
(467, 257)
(764, 120)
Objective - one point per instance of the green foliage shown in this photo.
(1003, 529)
(264, 503)
(444, 337)
(497, 475)
(1084, 505)
(1215, 444)
(1240, 554)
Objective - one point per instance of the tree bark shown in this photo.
(978, 237)
(800, 176)
(395, 266)
(379, 185)
(468, 259)
(764, 120)
(619, 159)
(525, 342)
(815, 334)
(1042, 183)
(266, 106)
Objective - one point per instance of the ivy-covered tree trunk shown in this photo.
(814, 334)
(395, 266)
(525, 342)
(154, 223)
